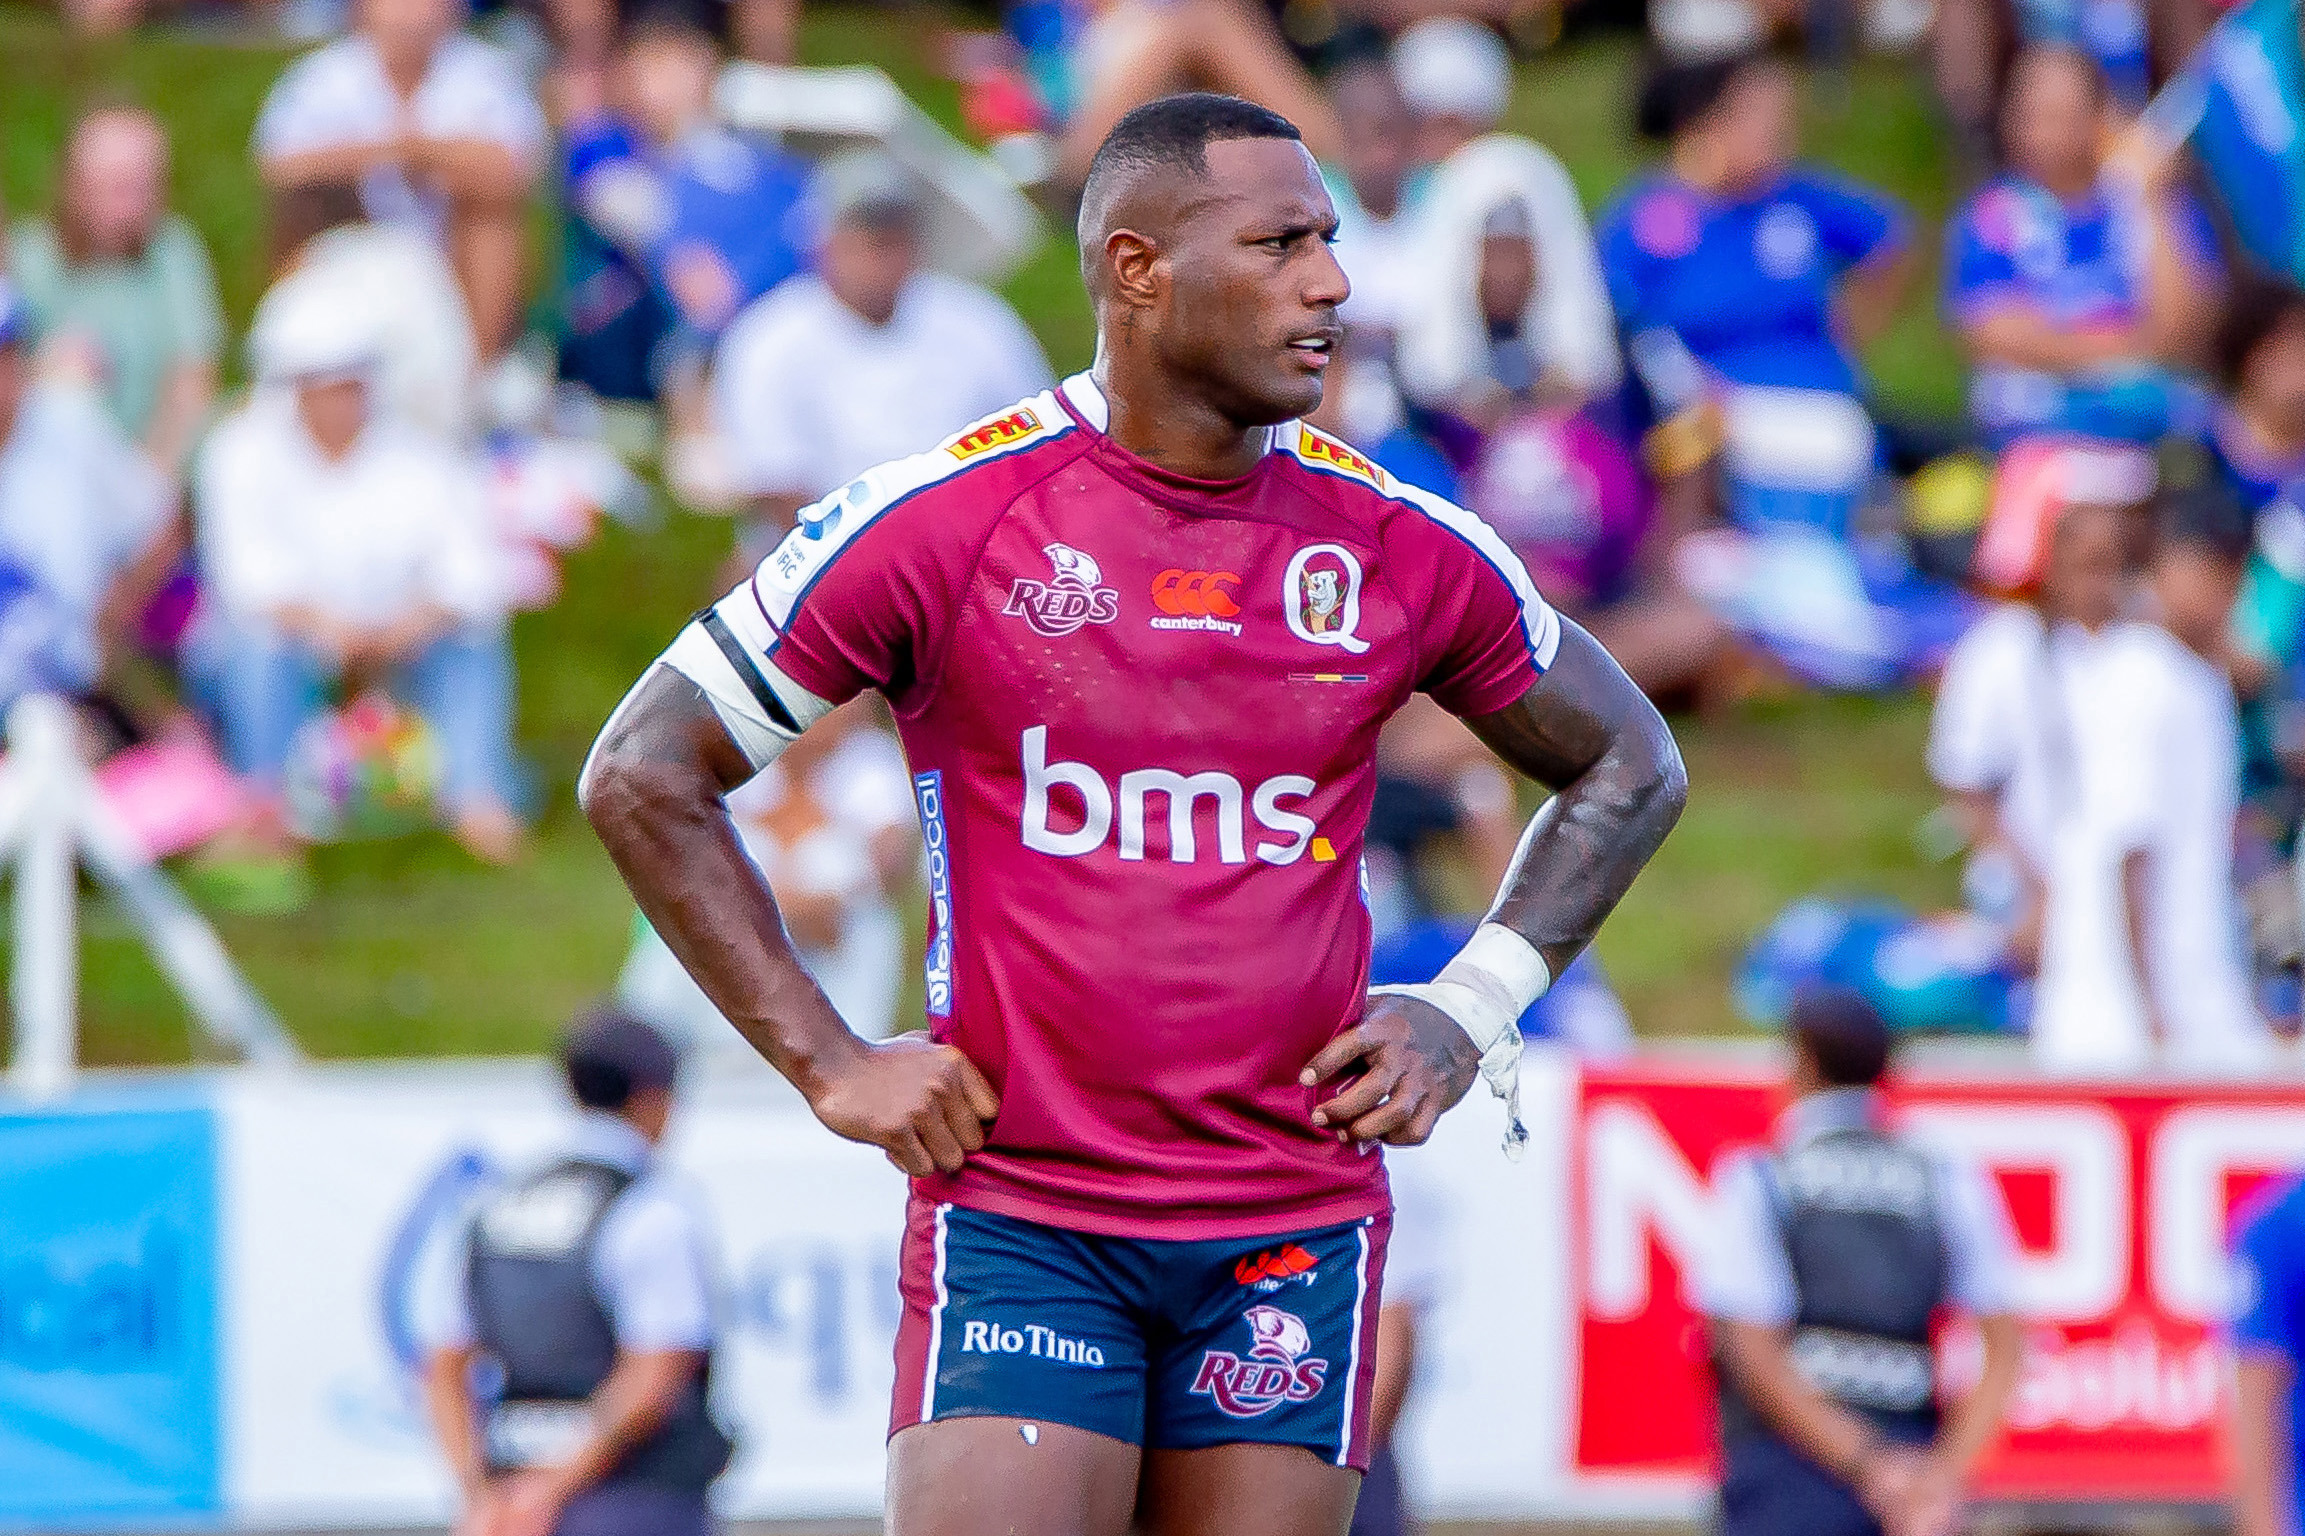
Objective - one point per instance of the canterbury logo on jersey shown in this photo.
(1196, 600)
(1084, 817)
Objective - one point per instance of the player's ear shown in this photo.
(1134, 263)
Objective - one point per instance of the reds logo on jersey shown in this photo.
(1001, 431)
(1073, 596)
(1275, 1370)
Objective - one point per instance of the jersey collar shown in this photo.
(1181, 493)
(605, 1138)
(1835, 1109)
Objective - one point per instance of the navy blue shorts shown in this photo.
(1161, 1343)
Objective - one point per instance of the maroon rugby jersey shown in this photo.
(1141, 713)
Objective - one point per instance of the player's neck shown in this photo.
(1162, 425)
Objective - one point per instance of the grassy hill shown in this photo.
(411, 949)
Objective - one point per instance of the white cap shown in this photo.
(307, 328)
(1450, 67)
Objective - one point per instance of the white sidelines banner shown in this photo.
(329, 1176)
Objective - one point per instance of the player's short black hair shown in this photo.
(1676, 93)
(2206, 516)
(1842, 1034)
(2257, 307)
(1176, 131)
(611, 1054)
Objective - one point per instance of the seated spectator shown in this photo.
(2076, 290)
(1457, 80)
(1375, 184)
(586, 32)
(87, 525)
(697, 221)
(831, 825)
(437, 130)
(1736, 253)
(2255, 443)
(341, 547)
(2256, 435)
(866, 359)
(394, 282)
(1120, 54)
(116, 273)
(2133, 43)
(2098, 755)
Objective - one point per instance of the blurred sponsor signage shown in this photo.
(108, 1357)
(2121, 1199)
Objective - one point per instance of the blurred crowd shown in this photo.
(291, 600)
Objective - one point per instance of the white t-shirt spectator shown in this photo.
(1444, 346)
(1383, 257)
(2097, 746)
(399, 523)
(78, 501)
(341, 96)
(809, 394)
(400, 286)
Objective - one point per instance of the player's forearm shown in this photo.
(1976, 1419)
(449, 1400)
(1589, 735)
(638, 1395)
(2261, 1431)
(1761, 1365)
(652, 790)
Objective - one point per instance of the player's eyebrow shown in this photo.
(1296, 229)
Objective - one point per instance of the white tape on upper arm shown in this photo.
(695, 655)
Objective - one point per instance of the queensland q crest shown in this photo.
(1321, 596)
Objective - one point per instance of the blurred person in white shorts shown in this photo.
(2099, 754)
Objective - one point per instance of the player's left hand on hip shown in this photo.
(1414, 1063)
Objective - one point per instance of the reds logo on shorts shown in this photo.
(1274, 1371)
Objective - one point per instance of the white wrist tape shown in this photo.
(1485, 989)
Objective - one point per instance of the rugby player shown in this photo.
(1139, 634)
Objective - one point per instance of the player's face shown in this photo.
(1253, 287)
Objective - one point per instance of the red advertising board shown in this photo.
(2120, 1198)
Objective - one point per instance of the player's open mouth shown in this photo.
(1315, 350)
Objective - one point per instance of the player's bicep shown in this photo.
(725, 652)
(1573, 716)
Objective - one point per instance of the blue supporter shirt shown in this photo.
(2081, 265)
(739, 198)
(1748, 285)
(2269, 1245)
(2252, 79)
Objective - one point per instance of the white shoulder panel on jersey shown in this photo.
(1317, 450)
(829, 526)
(726, 650)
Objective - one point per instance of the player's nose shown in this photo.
(1326, 285)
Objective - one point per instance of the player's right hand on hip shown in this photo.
(924, 1104)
